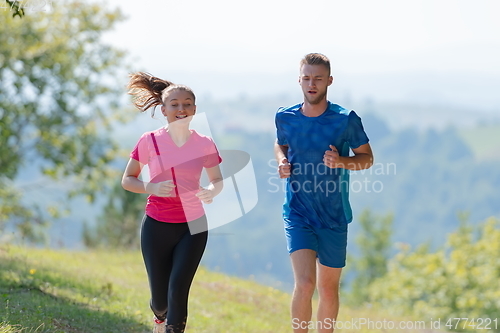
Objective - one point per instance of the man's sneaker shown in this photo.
(159, 326)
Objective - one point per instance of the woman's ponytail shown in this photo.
(147, 90)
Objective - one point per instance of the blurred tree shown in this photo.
(118, 226)
(12, 208)
(15, 7)
(56, 93)
(460, 280)
(373, 241)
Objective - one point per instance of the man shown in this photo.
(312, 151)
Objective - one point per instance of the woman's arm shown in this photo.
(131, 183)
(216, 184)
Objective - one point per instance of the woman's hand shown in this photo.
(161, 189)
(206, 195)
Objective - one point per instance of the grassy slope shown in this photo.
(104, 292)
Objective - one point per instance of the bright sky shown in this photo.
(272, 35)
(432, 50)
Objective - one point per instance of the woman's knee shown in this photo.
(159, 309)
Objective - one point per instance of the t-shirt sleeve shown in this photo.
(355, 133)
(212, 157)
(141, 150)
(279, 130)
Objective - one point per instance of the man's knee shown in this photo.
(305, 286)
(328, 291)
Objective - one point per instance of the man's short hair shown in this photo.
(316, 59)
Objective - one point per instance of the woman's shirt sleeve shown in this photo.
(212, 156)
(141, 150)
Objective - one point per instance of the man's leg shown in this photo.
(304, 272)
(328, 290)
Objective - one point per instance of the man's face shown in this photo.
(314, 80)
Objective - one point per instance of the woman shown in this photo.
(174, 229)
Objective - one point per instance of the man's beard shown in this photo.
(315, 99)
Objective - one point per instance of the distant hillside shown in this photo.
(484, 140)
(47, 291)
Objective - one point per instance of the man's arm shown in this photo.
(281, 155)
(362, 159)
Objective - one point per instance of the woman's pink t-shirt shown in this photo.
(183, 165)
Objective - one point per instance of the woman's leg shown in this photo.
(158, 241)
(186, 259)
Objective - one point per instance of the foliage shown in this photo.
(15, 7)
(374, 242)
(55, 95)
(118, 227)
(10, 207)
(460, 280)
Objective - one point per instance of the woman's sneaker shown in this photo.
(159, 326)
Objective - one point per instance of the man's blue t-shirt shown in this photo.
(316, 193)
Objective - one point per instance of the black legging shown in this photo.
(171, 255)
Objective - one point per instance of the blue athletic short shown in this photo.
(330, 244)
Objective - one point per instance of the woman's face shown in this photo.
(177, 105)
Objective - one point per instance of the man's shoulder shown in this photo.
(335, 108)
(289, 109)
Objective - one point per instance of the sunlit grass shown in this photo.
(62, 291)
(44, 291)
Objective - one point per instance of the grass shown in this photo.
(44, 291)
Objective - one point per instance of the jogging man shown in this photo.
(312, 150)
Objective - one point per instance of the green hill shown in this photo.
(44, 291)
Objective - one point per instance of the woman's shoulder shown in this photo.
(157, 132)
(201, 137)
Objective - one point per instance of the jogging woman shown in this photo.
(174, 228)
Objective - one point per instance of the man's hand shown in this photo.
(284, 168)
(331, 157)
(161, 189)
